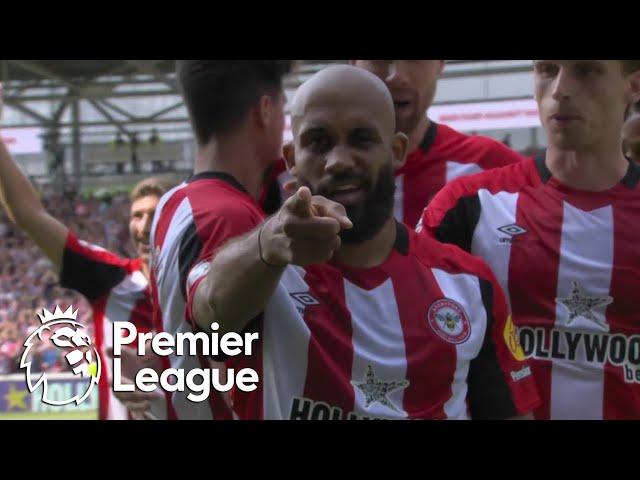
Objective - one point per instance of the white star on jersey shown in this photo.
(376, 390)
(580, 304)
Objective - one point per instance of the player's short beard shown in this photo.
(369, 217)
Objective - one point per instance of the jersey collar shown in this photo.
(429, 137)
(223, 176)
(630, 180)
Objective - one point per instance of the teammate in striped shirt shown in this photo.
(359, 317)
(437, 153)
(559, 233)
(236, 110)
(117, 287)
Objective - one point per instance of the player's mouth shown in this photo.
(401, 105)
(143, 247)
(563, 118)
(347, 193)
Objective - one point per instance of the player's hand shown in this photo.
(304, 231)
(137, 402)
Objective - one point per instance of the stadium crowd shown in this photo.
(29, 283)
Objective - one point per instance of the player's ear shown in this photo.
(265, 110)
(289, 154)
(634, 81)
(399, 149)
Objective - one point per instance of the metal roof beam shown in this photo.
(165, 110)
(40, 98)
(138, 121)
(116, 108)
(60, 111)
(108, 116)
(19, 106)
(44, 72)
(148, 67)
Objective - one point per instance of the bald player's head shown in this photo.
(345, 87)
(345, 146)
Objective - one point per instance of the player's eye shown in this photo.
(585, 69)
(363, 139)
(546, 69)
(320, 143)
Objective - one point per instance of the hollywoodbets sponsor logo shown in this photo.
(598, 348)
(307, 409)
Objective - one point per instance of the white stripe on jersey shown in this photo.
(163, 201)
(455, 169)
(461, 288)
(585, 235)
(172, 306)
(497, 211)
(284, 379)
(378, 340)
(120, 303)
(398, 200)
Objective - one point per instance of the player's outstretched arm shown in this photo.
(23, 206)
(244, 274)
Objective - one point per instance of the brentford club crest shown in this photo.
(449, 320)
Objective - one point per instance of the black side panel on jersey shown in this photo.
(190, 248)
(632, 177)
(460, 222)
(489, 394)
(91, 278)
(272, 201)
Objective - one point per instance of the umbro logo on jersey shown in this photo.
(513, 230)
(303, 300)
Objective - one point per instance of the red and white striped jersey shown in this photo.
(425, 335)
(443, 155)
(192, 221)
(118, 292)
(570, 263)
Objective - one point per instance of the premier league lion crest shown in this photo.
(78, 351)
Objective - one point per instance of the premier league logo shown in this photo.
(64, 332)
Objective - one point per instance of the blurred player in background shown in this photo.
(117, 287)
(236, 109)
(437, 153)
(359, 317)
(560, 233)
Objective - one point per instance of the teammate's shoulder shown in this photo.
(447, 257)
(509, 178)
(496, 151)
(486, 151)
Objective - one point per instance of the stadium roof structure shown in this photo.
(79, 102)
(99, 82)
(43, 90)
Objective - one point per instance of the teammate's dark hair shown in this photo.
(218, 94)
